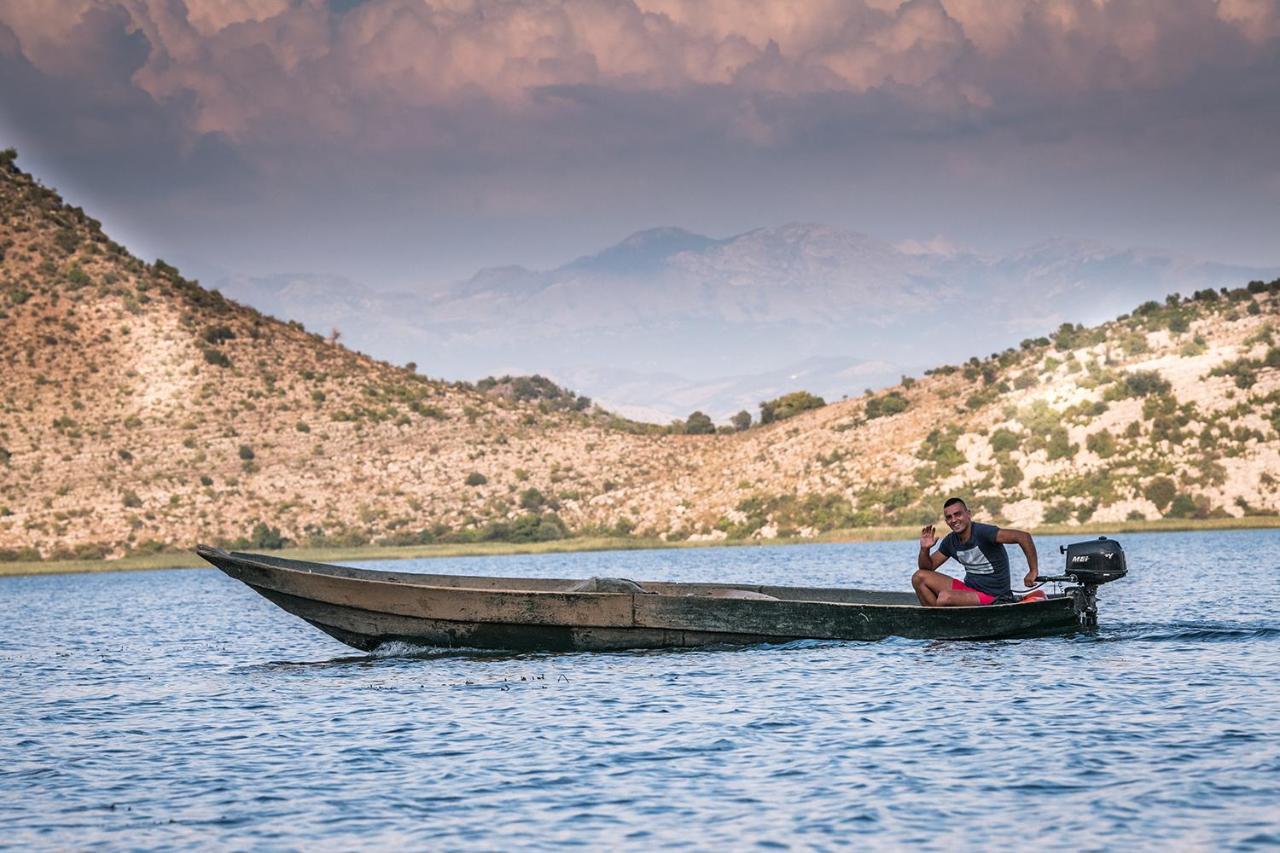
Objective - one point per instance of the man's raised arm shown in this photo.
(1009, 536)
(927, 562)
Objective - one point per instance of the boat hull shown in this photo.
(369, 609)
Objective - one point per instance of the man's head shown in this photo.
(956, 513)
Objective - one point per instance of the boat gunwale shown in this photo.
(413, 580)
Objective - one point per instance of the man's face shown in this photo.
(957, 517)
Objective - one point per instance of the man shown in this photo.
(977, 547)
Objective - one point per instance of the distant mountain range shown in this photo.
(669, 321)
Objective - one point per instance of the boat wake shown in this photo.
(1207, 632)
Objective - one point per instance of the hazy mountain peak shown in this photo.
(643, 252)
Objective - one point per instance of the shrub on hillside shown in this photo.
(1160, 491)
(475, 478)
(217, 334)
(1057, 513)
(1139, 383)
(267, 537)
(741, 421)
(788, 406)
(533, 527)
(1058, 445)
(540, 389)
(1185, 506)
(1102, 443)
(1004, 441)
(890, 404)
(216, 357)
(939, 447)
(699, 423)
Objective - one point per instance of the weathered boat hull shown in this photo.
(367, 609)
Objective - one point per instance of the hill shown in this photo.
(140, 411)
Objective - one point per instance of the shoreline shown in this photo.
(181, 560)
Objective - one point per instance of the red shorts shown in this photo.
(983, 598)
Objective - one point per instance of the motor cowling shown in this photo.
(1095, 562)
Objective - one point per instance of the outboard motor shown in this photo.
(1089, 565)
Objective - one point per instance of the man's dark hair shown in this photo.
(951, 501)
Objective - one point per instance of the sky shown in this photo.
(409, 143)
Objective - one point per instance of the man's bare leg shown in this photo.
(927, 586)
(958, 598)
(934, 590)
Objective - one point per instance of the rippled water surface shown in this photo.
(179, 709)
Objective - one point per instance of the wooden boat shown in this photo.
(367, 608)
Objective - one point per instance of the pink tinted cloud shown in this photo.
(255, 68)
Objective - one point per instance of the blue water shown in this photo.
(178, 709)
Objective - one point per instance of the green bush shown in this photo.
(549, 395)
(699, 423)
(1057, 513)
(788, 406)
(532, 499)
(978, 399)
(890, 404)
(216, 357)
(1182, 506)
(1161, 491)
(741, 421)
(1059, 445)
(939, 447)
(1005, 441)
(131, 500)
(267, 537)
(1102, 443)
(77, 277)
(533, 527)
(246, 452)
(217, 334)
(475, 478)
(1141, 383)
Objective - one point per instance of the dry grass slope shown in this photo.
(139, 411)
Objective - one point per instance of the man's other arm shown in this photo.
(1021, 538)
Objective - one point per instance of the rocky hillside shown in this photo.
(140, 411)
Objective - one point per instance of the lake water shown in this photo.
(179, 709)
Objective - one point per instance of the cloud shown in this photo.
(263, 69)
(273, 121)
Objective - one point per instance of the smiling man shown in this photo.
(977, 547)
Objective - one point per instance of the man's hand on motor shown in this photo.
(1030, 578)
(927, 537)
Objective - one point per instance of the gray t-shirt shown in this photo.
(986, 565)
